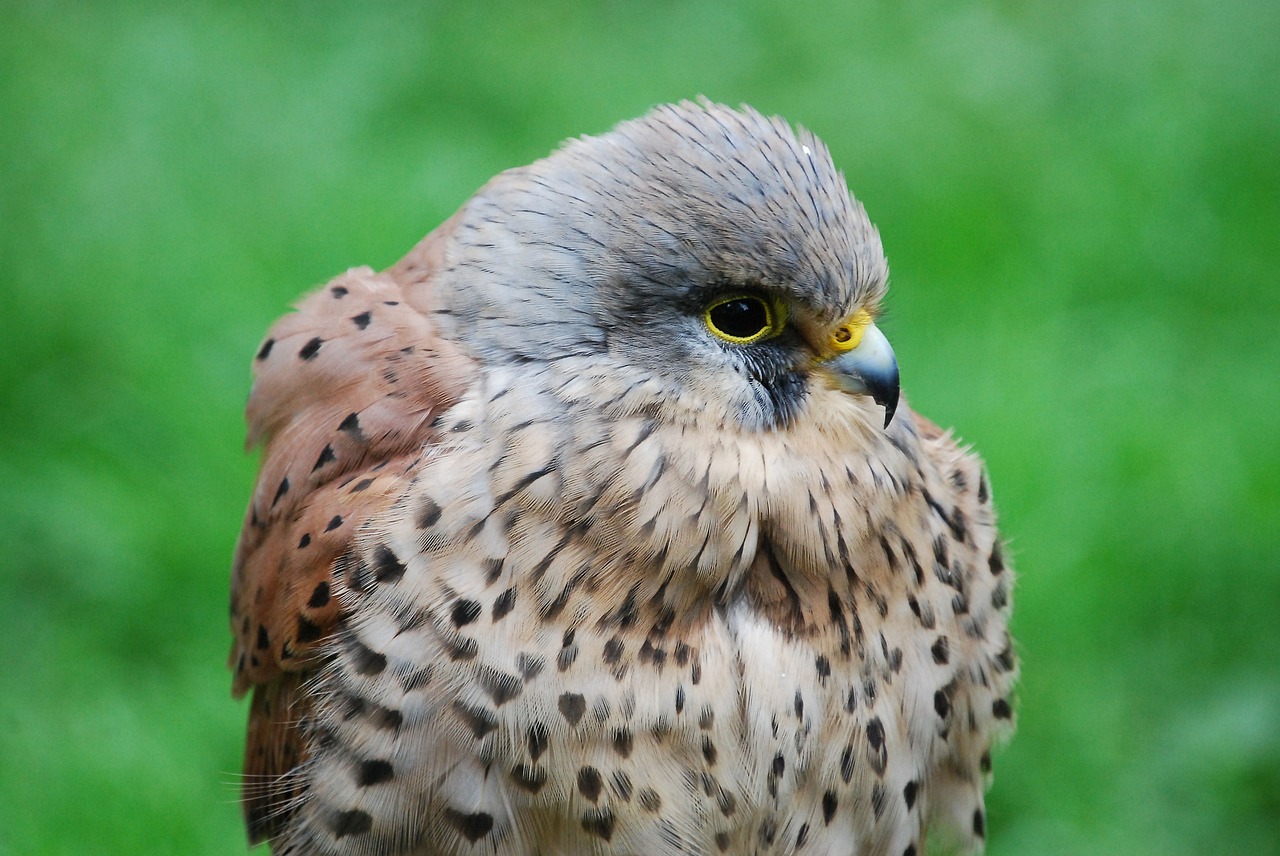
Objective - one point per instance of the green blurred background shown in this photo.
(1081, 204)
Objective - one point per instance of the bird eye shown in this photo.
(741, 319)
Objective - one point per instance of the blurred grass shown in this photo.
(1081, 203)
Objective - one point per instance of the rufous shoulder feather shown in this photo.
(345, 392)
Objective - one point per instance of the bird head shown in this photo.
(702, 262)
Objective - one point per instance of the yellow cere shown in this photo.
(848, 334)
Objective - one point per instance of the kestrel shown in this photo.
(595, 526)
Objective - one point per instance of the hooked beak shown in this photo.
(870, 369)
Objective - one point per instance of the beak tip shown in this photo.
(887, 397)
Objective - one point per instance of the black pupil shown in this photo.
(741, 318)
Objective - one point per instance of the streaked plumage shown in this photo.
(545, 558)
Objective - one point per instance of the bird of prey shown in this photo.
(595, 525)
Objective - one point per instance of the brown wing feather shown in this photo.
(345, 392)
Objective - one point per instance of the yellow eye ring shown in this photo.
(742, 319)
(848, 335)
